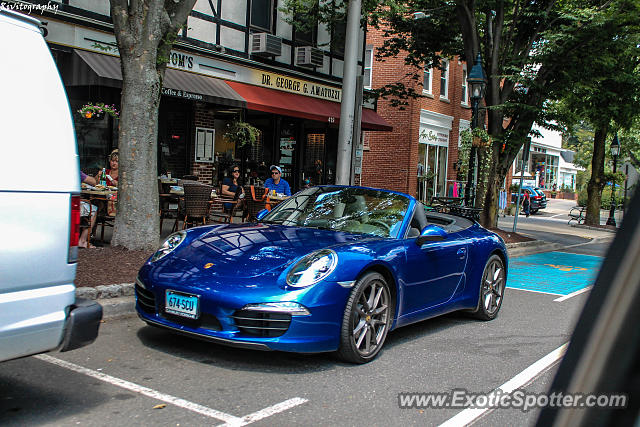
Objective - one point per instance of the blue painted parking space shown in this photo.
(557, 273)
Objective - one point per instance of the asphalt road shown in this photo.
(138, 375)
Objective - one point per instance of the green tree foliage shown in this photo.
(526, 47)
(601, 90)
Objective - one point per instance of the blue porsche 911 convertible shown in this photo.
(333, 268)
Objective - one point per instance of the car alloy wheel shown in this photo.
(491, 289)
(366, 319)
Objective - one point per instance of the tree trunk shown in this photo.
(137, 223)
(489, 214)
(145, 32)
(596, 183)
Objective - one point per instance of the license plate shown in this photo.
(181, 304)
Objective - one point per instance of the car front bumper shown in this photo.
(218, 321)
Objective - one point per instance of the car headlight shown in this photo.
(312, 268)
(172, 242)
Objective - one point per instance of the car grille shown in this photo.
(146, 300)
(205, 321)
(262, 324)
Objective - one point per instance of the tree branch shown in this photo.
(120, 18)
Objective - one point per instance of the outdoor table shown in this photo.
(166, 180)
(101, 199)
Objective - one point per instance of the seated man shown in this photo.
(276, 182)
(86, 210)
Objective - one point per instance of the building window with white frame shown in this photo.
(444, 79)
(426, 80)
(262, 14)
(368, 67)
(464, 99)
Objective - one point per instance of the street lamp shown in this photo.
(615, 152)
(477, 80)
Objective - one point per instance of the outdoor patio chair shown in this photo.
(256, 199)
(169, 204)
(196, 204)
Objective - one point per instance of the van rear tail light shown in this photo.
(75, 230)
(538, 197)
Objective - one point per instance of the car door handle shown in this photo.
(462, 252)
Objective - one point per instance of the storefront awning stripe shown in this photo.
(186, 85)
(293, 105)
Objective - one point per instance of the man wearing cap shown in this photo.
(276, 182)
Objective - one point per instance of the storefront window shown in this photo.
(441, 177)
(432, 172)
(96, 138)
(551, 173)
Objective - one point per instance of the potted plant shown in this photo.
(241, 133)
(98, 110)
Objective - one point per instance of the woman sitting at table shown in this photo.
(231, 186)
(112, 172)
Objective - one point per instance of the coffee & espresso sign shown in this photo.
(293, 85)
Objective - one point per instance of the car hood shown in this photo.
(245, 251)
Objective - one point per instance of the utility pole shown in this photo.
(347, 105)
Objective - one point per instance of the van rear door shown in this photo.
(39, 172)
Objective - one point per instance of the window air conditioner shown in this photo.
(308, 56)
(266, 44)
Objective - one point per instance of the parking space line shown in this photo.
(573, 294)
(267, 412)
(535, 292)
(194, 407)
(470, 415)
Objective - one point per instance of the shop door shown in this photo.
(314, 164)
(173, 136)
(287, 146)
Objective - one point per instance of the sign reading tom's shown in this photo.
(297, 86)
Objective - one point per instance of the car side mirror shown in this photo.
(261, 214)
(431, 233)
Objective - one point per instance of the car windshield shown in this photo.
(350, 209)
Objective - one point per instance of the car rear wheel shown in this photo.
(491, 289)
(366, 320)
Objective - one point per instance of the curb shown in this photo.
(589, 227)
(515, 250)
(118, 300)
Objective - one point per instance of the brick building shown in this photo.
(419, 156)
(235, 60)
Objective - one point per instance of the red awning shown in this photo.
(292, 105)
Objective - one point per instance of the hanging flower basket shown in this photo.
(241, 133)
(97, 111)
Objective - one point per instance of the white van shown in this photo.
(39, 201)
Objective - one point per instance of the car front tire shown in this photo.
(366, 319)
(491, 289)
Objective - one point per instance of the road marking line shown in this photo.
(573, 294)
(537, 292)
(267, 412)
(470, 415)
(203, 410)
